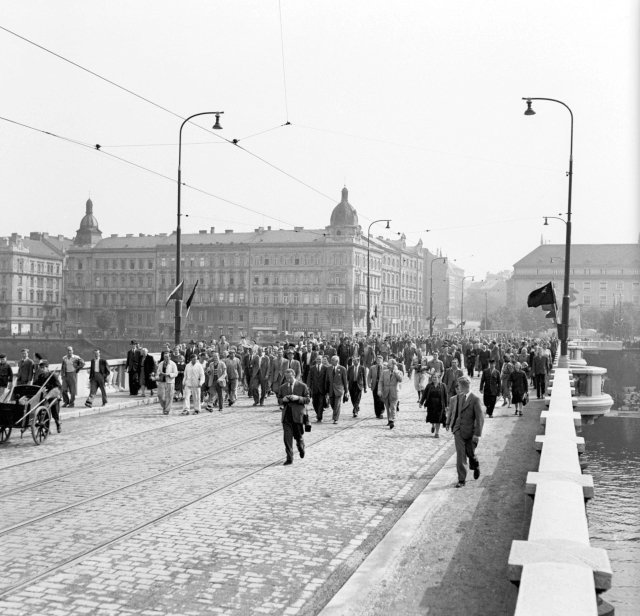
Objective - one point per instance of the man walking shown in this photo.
(388, 387)
(234, 372)
(295, 396)
(166, 379)
(98, 374)
(259, 381)
(317, 389)
(133, 368)
(357, 381)
(193, 380)
(490, 387)
(373, 379)
(540, 368)
(70, 366)
(465, 420)
(336, 386)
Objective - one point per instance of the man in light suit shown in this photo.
(295, 396)
(98, 374)
(291, 363)
(465, 419)
(336, 386)
(388, 390)
(373, 378)
(317, 387)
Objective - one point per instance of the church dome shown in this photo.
(89, 220)
(344, 214)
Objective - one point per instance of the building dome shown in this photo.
(344, 214)
(89, 232)
(89, 220)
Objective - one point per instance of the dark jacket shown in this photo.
(465, 416)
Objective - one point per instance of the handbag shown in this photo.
(525, 398)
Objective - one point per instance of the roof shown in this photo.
(267, 236)
(37, 248)
(583, 254)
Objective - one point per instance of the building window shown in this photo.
(603, 285)
(603, 300)
(586, 285)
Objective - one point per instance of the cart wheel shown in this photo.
(5, 433)
(40, 425)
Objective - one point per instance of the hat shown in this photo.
(192, 341)
(38, 356)
(492, 361)
(44, 362)
(134, 342)
(232, 349)
(289, 350)
(3, 356)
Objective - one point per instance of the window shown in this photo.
(603, 300)
(603, 285)
(586, 285)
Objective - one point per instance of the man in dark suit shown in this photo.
(373, 378)
(357, 380)
(336, 386)
(490, 387)
(317, 387)
(295, 396)
(133, 368)
(293, 364)
(259, 380)
(307, 359)
(465, 419)
(98, 374)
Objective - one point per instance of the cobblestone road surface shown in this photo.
(132, 512)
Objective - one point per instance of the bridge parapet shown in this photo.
(556, 568)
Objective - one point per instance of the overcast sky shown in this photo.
(414, 105)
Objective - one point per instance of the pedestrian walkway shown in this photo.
(116, 401)
(448, 553)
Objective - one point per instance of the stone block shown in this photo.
(569, 438)
(534, 479)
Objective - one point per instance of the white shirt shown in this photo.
(193, 375)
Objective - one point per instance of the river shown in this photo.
(613, 456)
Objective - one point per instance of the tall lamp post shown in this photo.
(388, 221)
(444, 260)
(462, 305)
(216, 126)
(563, 330)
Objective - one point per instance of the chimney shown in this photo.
(269, 228)
(202, 232)
(129, 234)
(114, 235)
(298, 229)
(228, 230)
(213, 230)
(140, 234)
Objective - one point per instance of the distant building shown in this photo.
(253, 283)
(601, 275)
(31, 283)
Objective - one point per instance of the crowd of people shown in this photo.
(326, 374)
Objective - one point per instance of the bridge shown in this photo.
(129, 512)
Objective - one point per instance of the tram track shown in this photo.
(76, 558)
(84, 469)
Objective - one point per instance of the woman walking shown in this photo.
(420, 379)
(519, 387)
(435, 398)
(505, 381)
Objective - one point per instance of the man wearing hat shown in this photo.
(133, 368)
(234, 372)
(291, 363)
(490, 386)
(6, 378)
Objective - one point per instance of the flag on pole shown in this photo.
(176, 293)
(190, 299)
(541, 296)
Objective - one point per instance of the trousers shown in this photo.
(292, 431)
(465, 448)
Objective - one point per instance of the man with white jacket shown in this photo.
(193, 380)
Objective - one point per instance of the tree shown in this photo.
(105, 320)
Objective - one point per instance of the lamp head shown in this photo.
(546, 222)
(388, 223)
(217, 125)
(529, 111)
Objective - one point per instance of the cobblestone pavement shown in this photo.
(133, 512)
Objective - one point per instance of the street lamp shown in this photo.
(444, 260)
(563, 331)
(462, 305)
(368, 272)
(178, 311)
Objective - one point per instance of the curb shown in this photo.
(81, 411)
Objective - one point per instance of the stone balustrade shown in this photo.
(556, 568)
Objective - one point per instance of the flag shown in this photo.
(176, 293)
(193, 292)
(543, 295)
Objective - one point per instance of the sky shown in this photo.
(415, 106)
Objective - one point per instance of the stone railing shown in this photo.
(117, 381)
(556, 569)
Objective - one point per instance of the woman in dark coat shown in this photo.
(435, 398)
(519, 387)
(147, 373)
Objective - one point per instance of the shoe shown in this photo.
(504, 403)
(391, 425)
(65, 405)
(89, 405)
(185, 412)
(104, 404)
(476, 472)
(195, 412)
(71, 405)
(433, 428)
(231, 403)
(520, 414)
(287, 462)
(318, 420)
(262, 404)
(301, 452)
(460, 484)
(489, 416)
(335, 421)
(59, 428)
(165, 412)
(255, 404)
(436, 435)
(515, 412)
